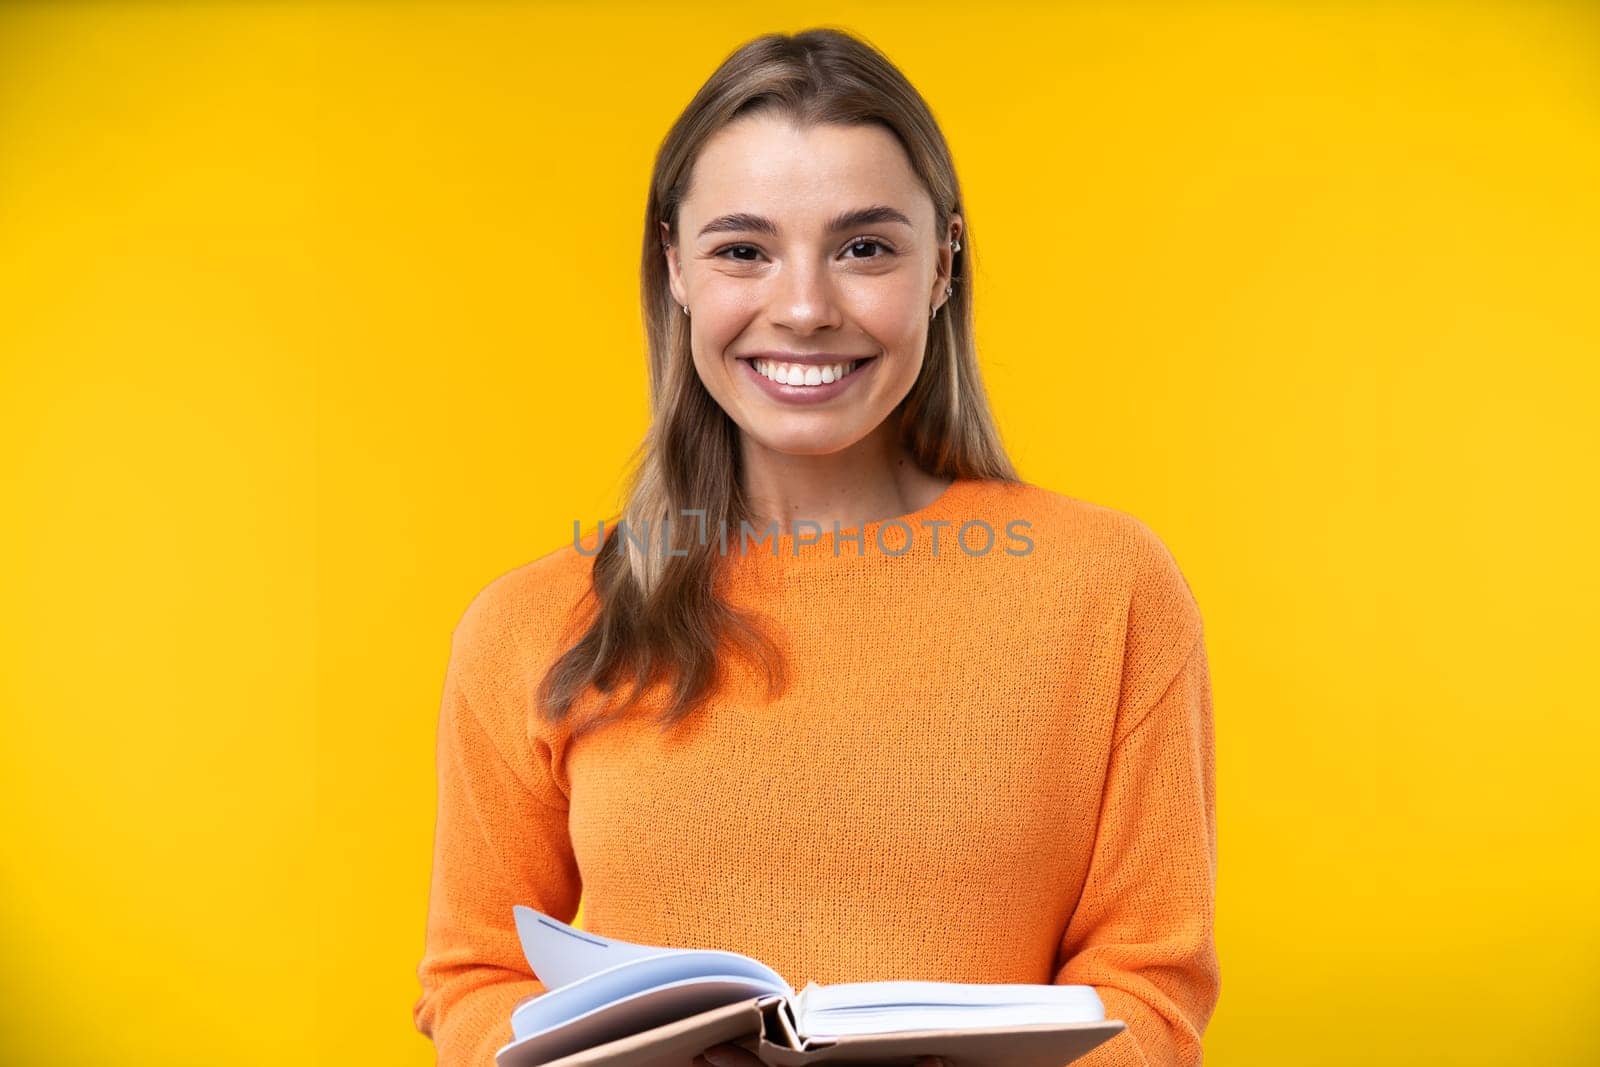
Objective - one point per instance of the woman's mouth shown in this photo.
(806, 382)
(804, 374)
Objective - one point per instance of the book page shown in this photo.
(561, 955)
(885, 1007)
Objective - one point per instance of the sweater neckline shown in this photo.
(950, 504)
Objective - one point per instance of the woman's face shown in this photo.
(782, 283)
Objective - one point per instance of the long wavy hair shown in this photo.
(659, 618)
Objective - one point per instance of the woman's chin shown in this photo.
(803, 441)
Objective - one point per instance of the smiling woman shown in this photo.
(987, 767)
(811, 345)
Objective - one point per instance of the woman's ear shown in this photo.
(956, 228)
(945, 274)
(674, 269)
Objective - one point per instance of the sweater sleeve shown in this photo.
(1142, 933)
(500, 839)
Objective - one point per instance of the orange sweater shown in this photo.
(989, 767)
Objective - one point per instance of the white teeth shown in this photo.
(804, 374)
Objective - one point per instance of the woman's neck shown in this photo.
(860, 484)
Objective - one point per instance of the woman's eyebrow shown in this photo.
(744, 222)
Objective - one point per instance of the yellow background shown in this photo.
(316, 318)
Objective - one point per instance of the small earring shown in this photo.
(955, 246)
(686, 309)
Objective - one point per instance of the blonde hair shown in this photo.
(658, 617)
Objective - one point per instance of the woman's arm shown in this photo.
(500, 839)
(1142, 933)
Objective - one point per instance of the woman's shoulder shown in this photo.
(1117, 537)
(524, 612)
(1114, 548)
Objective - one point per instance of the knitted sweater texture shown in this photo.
(990, 766)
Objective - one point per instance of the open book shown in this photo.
(613, 1002)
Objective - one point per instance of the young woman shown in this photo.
(846, 695)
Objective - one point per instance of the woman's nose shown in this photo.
(805, 299)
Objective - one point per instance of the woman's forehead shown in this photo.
(803, 177)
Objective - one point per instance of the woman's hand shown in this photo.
(734, 1056)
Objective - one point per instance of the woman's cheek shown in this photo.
(894, 311)
(725, 315)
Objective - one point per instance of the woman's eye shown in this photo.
(883, 251)
(869, 243)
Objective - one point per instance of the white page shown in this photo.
(588, 1016)
(918, 994)
(561, 955)
(883, 1007)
